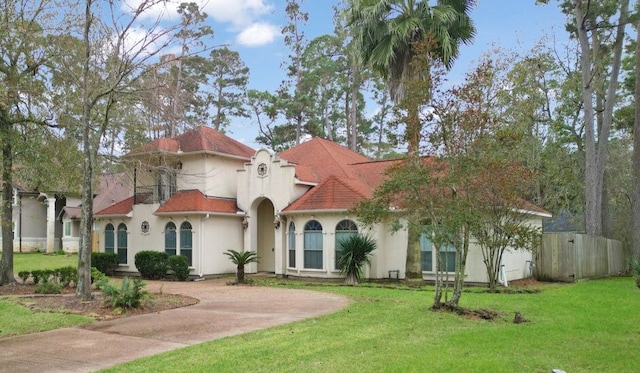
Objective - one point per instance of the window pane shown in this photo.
(426, 253)
(292, 245)
(109, 238)
(186, 241)
(170, 239)
(122, 244)
(313, 245)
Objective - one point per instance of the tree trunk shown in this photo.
(240, 274)
(83, 288)
(635, 242)
(6, 264)
(461, 264)
(596, 150)
(413, 264)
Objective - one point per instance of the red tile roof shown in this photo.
(199, 139)
(121, 208)
(112, 188)
(194, 201)
(333, 193)
(322, 158)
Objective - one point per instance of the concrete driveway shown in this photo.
(223, 311)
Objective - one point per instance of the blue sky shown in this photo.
(252, 27)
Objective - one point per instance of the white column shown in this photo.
(51, 224)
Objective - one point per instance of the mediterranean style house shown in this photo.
(202, 193)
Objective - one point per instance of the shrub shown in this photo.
(355, 252)
(48, 287)
(240, 259)
(67, 275)
(130, 294)
(179, 265)
(96, 275)
(152, 264)
(105, 262)
(24, 275)
(37, 275)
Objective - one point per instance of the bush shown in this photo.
(96, 275)
(152, 265)
(24, 275)
(67, 275)
(130, 294)
(105, 262)
(37, 275)
(48, 287)
(354, 254)
(179, 265)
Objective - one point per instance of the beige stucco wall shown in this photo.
(213, 175)
(211, 237)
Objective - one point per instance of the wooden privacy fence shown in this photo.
(572, 256)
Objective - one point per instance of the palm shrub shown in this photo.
(355, 252)
(635, 269)
(240, 259)
(130, 294)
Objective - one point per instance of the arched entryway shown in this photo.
(266, 238)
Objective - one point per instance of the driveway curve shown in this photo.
(222, 311)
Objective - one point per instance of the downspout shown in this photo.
(201, 254)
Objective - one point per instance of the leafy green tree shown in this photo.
(355, 252)
(241, 259)
(24, 55)
(228, 78)
(386, 33)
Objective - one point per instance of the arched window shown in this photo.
(122, 243)
(345, 229)
(109, 238)
(186, 241)
(292, 245)
(313, 245)
(170, 239)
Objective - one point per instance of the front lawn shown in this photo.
(590, 326)
(40, 261)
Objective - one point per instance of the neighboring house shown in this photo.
(34, 223)
(202, 193)
(111, 188)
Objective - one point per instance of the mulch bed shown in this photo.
(67, 302)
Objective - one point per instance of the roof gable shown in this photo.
(199, 139)
(333, 193)
(322, 158)
(121, 208)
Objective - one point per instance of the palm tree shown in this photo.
(388, 34)
(240, 259)
(355, 252)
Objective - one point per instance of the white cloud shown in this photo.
(245, 18)
(258, 34)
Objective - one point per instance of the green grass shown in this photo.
(591, 326)
(38, 261)
(18, 320)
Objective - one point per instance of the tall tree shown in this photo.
(291, 92)
(386, 33)
(112, 61)
(227, 80)
(635, 191)
(24, 54)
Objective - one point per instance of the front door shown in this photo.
(266, 237)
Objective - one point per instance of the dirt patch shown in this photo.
(477, 314)
(96, 308)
